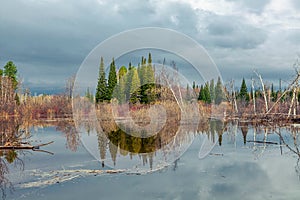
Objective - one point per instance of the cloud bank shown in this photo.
(49, 39)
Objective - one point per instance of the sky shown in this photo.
(49, 39)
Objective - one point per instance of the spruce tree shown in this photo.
(10, 70)
(122, 72)
(201, 96)
(101, 93)
(244, 91)
(212, 90)
(142, 71)
(150, 71)
(112, 80)
(273, 93)
(134, 86)
(129, 66)
(127, 79)
(120, 92)
(1, 72)
(219, 92)
(204, 94)
(147, 80)
(207, 93)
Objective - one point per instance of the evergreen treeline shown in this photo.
(138, 84)
(212, 93)
(134, 84)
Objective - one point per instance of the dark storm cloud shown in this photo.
(230, 32)
(51, 36)
(46, 31)
(49, 39)
(181, 17)
(56, 36)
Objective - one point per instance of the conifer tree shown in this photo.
(244, 91)
(112, 80)
(10, 70)
(101, 93)
(127, 80)
(219, 92)
(202, 94)
(150, 71)
(207, 93)
(122, 72)
(212, 90)
(273, 93)
(120, 92)
(135, 86)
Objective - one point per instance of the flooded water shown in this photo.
(236, 168)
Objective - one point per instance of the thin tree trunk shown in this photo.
(292, 85)
(233, 97)
(296, 102)
(292, 103)
(263, 90)
(253, 96)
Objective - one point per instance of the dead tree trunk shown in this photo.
(253, 96)
(233, 97)
(293, 85)
(263, 90)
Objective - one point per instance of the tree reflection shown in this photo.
(293, 148)
(5, 184)
(212, 128)
(244, 129)
(72, 136)
(14, 132)
(10, 135)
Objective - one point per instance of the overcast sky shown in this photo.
(48, 39)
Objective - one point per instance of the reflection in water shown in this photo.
(117, 145)
(293, 148)
(67, 127)
(10, 136)
(135, 138)
(15, 133)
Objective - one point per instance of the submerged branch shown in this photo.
(27, 147)
(262, 142)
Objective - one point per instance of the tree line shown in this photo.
(134, 84)
(16, 102)
(139, 84)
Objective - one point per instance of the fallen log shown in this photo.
(262, 142)
(27, 147)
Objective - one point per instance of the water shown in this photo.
(233, 170)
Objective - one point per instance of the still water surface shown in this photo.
(233, 170)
